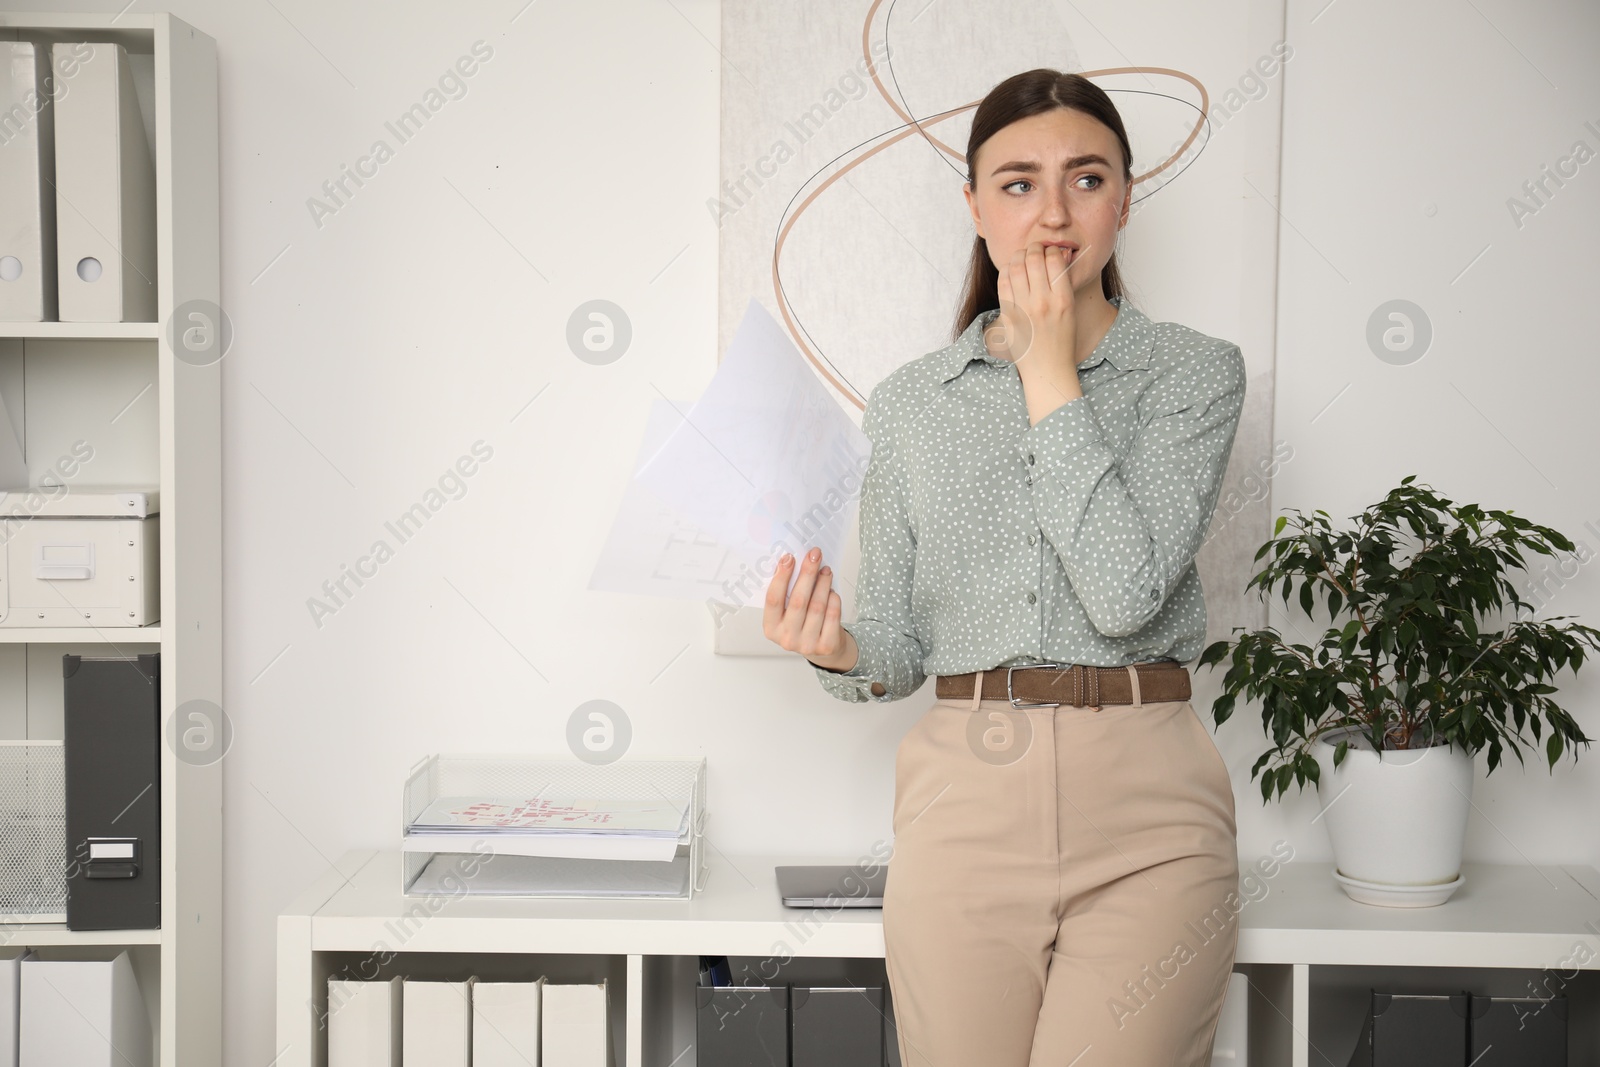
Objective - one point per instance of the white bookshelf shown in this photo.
(1309, 951)
(58, 635)
(79, 331)
(154, 420)
(54, 935)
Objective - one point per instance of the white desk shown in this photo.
(1504, 925)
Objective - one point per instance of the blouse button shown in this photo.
(1032, 599)
(1030, 539)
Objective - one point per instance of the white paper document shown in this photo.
(553, 846)
(477, 814)
(570, 827)
(765, 462)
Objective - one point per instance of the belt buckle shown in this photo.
(1029, 667)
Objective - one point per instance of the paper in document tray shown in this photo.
(554, 847)
(542, 876)
(554, 826)
(586, 827)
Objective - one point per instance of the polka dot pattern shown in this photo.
(989, 542)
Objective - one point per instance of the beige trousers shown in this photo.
(1064, 887)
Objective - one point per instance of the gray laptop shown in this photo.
(837, 885)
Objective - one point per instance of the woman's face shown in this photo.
(1054, 176)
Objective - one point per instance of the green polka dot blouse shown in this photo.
(989, 542)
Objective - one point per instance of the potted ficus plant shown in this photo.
(1416, 672)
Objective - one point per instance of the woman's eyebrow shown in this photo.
(1029, 166)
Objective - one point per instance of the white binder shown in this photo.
(505, 1024)
(10, 994)
(85, 1011)
(574, 1031)
(105, 191)
(364, 1023)
(27, 177)
(13, 465)
(1231, 1045)
(437, 1030)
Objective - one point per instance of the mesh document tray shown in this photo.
(33, 832)
(679, 782)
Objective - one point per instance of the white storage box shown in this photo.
(33, 832)
(679, 782)
(82, 1006)
(80, 556)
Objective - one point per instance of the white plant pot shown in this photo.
(1396, 818)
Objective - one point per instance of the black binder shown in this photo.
(1518, 1031)
(1414, 1030)
(742, 1026)
(113, 764)
(836, 1026)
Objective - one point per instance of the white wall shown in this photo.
(1408, 129)
(374, 350)
(429, 312)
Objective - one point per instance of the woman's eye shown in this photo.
(1098, 181)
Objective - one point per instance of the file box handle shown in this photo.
(56, 560)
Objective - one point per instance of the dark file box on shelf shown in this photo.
(1413, 1030)
(836, 1026)
(1517, 1032)
(742, 1026)
(112, 710)
(1460, 1029)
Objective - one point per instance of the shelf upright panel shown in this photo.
(188, 279)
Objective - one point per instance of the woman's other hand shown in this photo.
(806, 620)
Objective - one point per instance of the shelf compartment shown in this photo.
(381, 963)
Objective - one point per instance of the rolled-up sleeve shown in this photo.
(890, 655)
(1127, 531)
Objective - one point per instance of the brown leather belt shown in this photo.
(1077, 684)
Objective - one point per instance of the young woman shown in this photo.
(1064, 883)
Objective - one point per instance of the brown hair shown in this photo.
(1019, 96)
